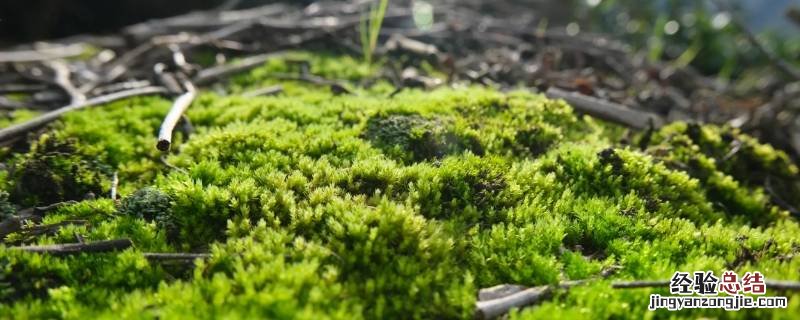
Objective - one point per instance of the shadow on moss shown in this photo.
(55, 171)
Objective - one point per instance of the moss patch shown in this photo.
(316, 205)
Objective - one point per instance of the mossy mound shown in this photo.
(56, 171)
(315, 205)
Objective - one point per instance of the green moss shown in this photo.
(13, 117)
(56, 170)
(315, 205)
(146, 203)
(411, 138)
(739, 174)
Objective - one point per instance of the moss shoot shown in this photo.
(315, 205)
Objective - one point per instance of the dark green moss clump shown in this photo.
(147, 203)
(151, 204)
(54, 171)
(322, 206)
(413, 138)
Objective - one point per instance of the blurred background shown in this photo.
(732, 62)
(698, 30)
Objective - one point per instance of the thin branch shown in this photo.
(175, 113)
(202, 20)
(336, 86)
(20, 129)
(180, 59)
(499, 291)
(606, 110)
(120, 86)
(62, 79)
(10, 225)
(50, 228)
(21, 88)
(42, 54)
(120, 66)
(15, 223)
(166, 163)
(79, 238)
(47, 227)
(9, 104)
(50, 207)
(266, 91)
(498, 300)
(77, 248)
(167, 79)
(494, 308)
(640, 284)
(783, 285)
(400, 43)
(777, 199)
(175, 257)
(220, 72)
(114, 184)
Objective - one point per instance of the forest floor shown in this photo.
(269, 168)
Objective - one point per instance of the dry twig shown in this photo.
(174, 115)
(499, 291)
(114, 184)
(42, 54)
(607, 110)
(498, 300)
(62, 79)
(14, 223)
(221, 72)
(77, 248)
(50, 228)
(176, 257)
(266, 91)
(494, 308)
